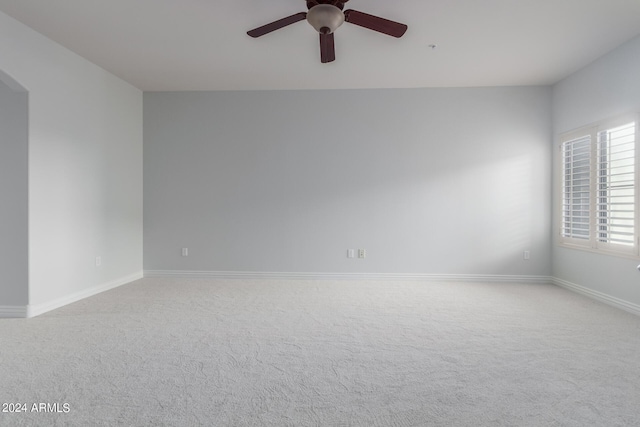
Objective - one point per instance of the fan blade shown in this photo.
(276, 25)
(327, 48)
(375, 23)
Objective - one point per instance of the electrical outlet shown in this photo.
(98, 261)
(362, 253)
(185, 251)
(526, 255)
(351, 253)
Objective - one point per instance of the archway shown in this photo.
(14, 265)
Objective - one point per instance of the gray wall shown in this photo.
(13, 197)
(606, 88)
(433, 181)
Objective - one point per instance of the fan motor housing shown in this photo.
(337, 3)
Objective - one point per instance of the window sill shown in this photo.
(618, 254)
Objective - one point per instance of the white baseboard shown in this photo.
(346, 276)
(598, 296)
(38, 309)
(13, 311)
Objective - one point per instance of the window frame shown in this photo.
(593, 244)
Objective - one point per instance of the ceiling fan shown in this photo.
(326, 16)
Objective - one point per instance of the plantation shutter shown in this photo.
(576, 200)
(616, 198)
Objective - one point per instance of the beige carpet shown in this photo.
(324, 353)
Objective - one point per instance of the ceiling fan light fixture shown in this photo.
(325, 18)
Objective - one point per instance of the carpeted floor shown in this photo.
(323, 353)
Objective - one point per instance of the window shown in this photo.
(599, 188)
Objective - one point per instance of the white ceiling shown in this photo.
(166, 45)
